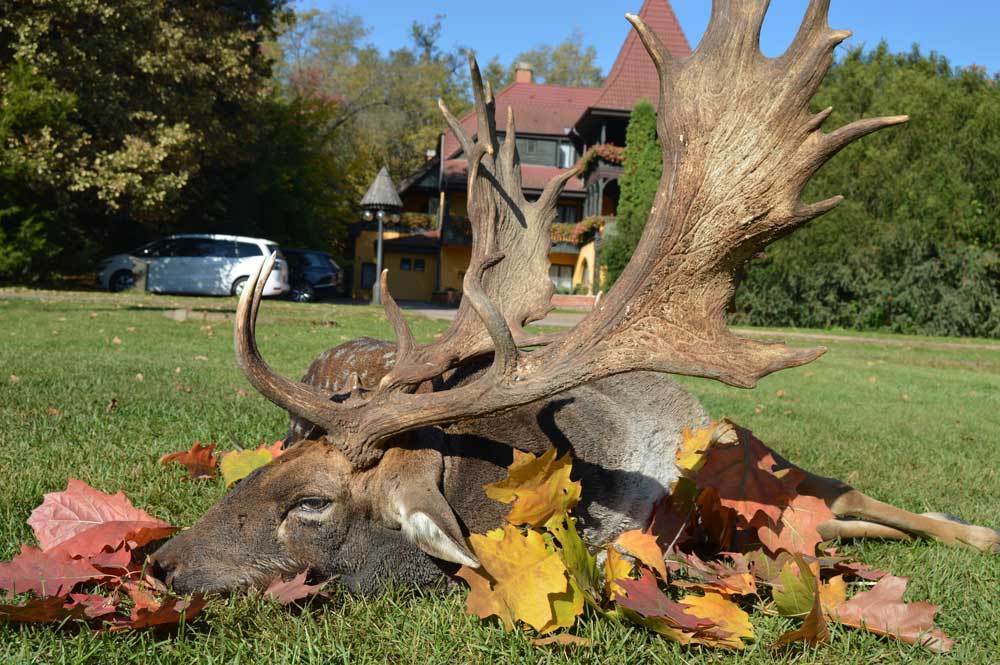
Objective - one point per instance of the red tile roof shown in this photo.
(538, 109)
(532, 176)
(633, 76)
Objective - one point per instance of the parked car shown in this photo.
(201, 264)
(312, 274)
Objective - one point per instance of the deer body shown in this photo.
(391, 445)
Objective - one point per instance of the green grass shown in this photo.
(915, 426)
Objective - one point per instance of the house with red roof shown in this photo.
(556, 126)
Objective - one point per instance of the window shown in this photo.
(538, 151)
(569, 214)
(367, 275)
(245, 250)
(411, 265)
(567, 155)
(562, 277)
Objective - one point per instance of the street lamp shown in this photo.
(381, 203)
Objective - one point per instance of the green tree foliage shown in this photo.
(389, 113)
(567, 63)
(915, 248)
(643, 168)
(114, 114)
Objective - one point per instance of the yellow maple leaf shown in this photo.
(538, 487)
(239, 464)
(616, 567)
(833, 594)
(690, 455)
(521, 580)
(732, 625)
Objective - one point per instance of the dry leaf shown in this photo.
(199, 461)
(538, 487)
(295, 589)
(731, 625)
(642, 546)
(112, 405)
(562, 640)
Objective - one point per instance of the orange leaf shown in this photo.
(199, 461)
(748, 479)
(616, 567)
(731, 624)
(643, 547)
(797, 529)
(813, 631)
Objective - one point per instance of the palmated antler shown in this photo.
(510, 248)
(739, 145)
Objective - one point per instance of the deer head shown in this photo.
(739, 145)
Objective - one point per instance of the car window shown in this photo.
(150, 249)
(317, 260)
(246, 250)
(271, 249)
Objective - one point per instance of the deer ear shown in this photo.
(413, 503)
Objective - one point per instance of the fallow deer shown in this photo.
(392, 443)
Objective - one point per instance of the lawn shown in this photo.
(915, 426)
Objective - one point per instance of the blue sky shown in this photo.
(966, 31)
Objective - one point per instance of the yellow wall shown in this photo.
(364, 252)
(454, 261)
(410, 285)
(584, 272)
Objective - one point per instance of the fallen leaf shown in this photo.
(520, 580)
(616, 567)
(796, 592)
(293, 590)
(797, 530)
(579, 562)
(150, 612)
(116, 340)
(538, 488)
(562, 640)
(239, 464)
(643, 546)
(651, 608)
(813, 631)
(14, 379)
(82, 521)
(199, 461)
(51, 609)
(45, 573)
(747, 478)
(731, 625)
(140, 377)
(882, 611)
(112, 405)
(714, 576)
(53, 411)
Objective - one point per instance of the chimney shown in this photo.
(524, 73)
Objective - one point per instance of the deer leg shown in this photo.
(881, 520)
(849, 529)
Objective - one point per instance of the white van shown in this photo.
(196, 263)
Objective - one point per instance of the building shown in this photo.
(427, 253)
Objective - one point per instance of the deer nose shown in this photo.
(161, 569)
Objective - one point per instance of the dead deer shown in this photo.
(397, 440)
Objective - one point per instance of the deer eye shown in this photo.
(312, 504)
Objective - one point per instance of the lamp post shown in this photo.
(381, 203)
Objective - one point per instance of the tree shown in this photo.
(568, 63)
(121, 110)
(643, 167)
(388, 102)
(915, 248)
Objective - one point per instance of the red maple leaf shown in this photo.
(797, 530)
(644, 597)
(46, 573)
(291, 591)
(748, 478)
(199, 461)
(883, 612)
(152, 612)
(83, 521)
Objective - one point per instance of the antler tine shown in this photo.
(485, 119)
(299, 398)
(404, 336)
(657, 51)
(457, 129)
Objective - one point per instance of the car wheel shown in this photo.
(121, 281)
(238, 286)
(302, 292)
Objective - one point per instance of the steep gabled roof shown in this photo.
(538, 109)
(633, 76)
